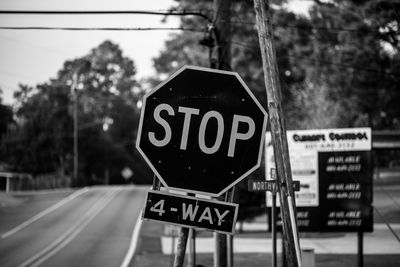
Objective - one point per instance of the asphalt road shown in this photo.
(87, 227)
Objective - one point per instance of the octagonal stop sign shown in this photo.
(201, 131)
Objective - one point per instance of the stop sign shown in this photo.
(201, 131)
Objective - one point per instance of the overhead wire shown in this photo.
(308, 27)
(170, 12)
(387, 224)
(313, 27)
(200, 13)
(324, 62)
(101, 28)
(105, 12)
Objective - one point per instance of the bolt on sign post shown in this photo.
(278, 129)
(201, 132)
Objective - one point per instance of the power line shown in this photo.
(365, 30)
(387, 224)
(313, 27)
(102, 28)
(323, 62)
(199, 13)
(106, 12)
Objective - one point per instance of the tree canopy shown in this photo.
(6, 116)
(107, 105)
(344, 54)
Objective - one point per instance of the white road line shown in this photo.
(134, 242)
(44, 213)
(65, 235)
(70, 234)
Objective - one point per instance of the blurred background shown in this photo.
(338, 65)
(71, 84)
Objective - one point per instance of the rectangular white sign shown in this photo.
(304, 146)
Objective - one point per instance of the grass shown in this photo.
(149, 255)
(386, 201)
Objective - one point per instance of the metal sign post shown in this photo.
(192, 248)
(360, 249)
(273, 222)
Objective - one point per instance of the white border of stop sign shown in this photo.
(188, 114)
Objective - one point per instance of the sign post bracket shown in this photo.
(156, 183)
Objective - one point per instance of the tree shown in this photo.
(35, 145)
(6, 116)
(107, 96)
(6, 121)
(355, 56)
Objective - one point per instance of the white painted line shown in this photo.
(70, 234)
(41, 192)
(134, 242)
(44, 213)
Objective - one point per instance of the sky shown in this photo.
(35, 56)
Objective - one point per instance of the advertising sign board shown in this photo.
(334, 167)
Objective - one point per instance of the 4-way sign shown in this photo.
(191, 212)
(201, 131)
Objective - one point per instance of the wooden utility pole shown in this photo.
(222, 30)
(278, 131)
(75, 83)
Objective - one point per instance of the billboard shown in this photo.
(334, 167)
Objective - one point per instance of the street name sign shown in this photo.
(201, 131)
(256, 185)
(191, 212)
